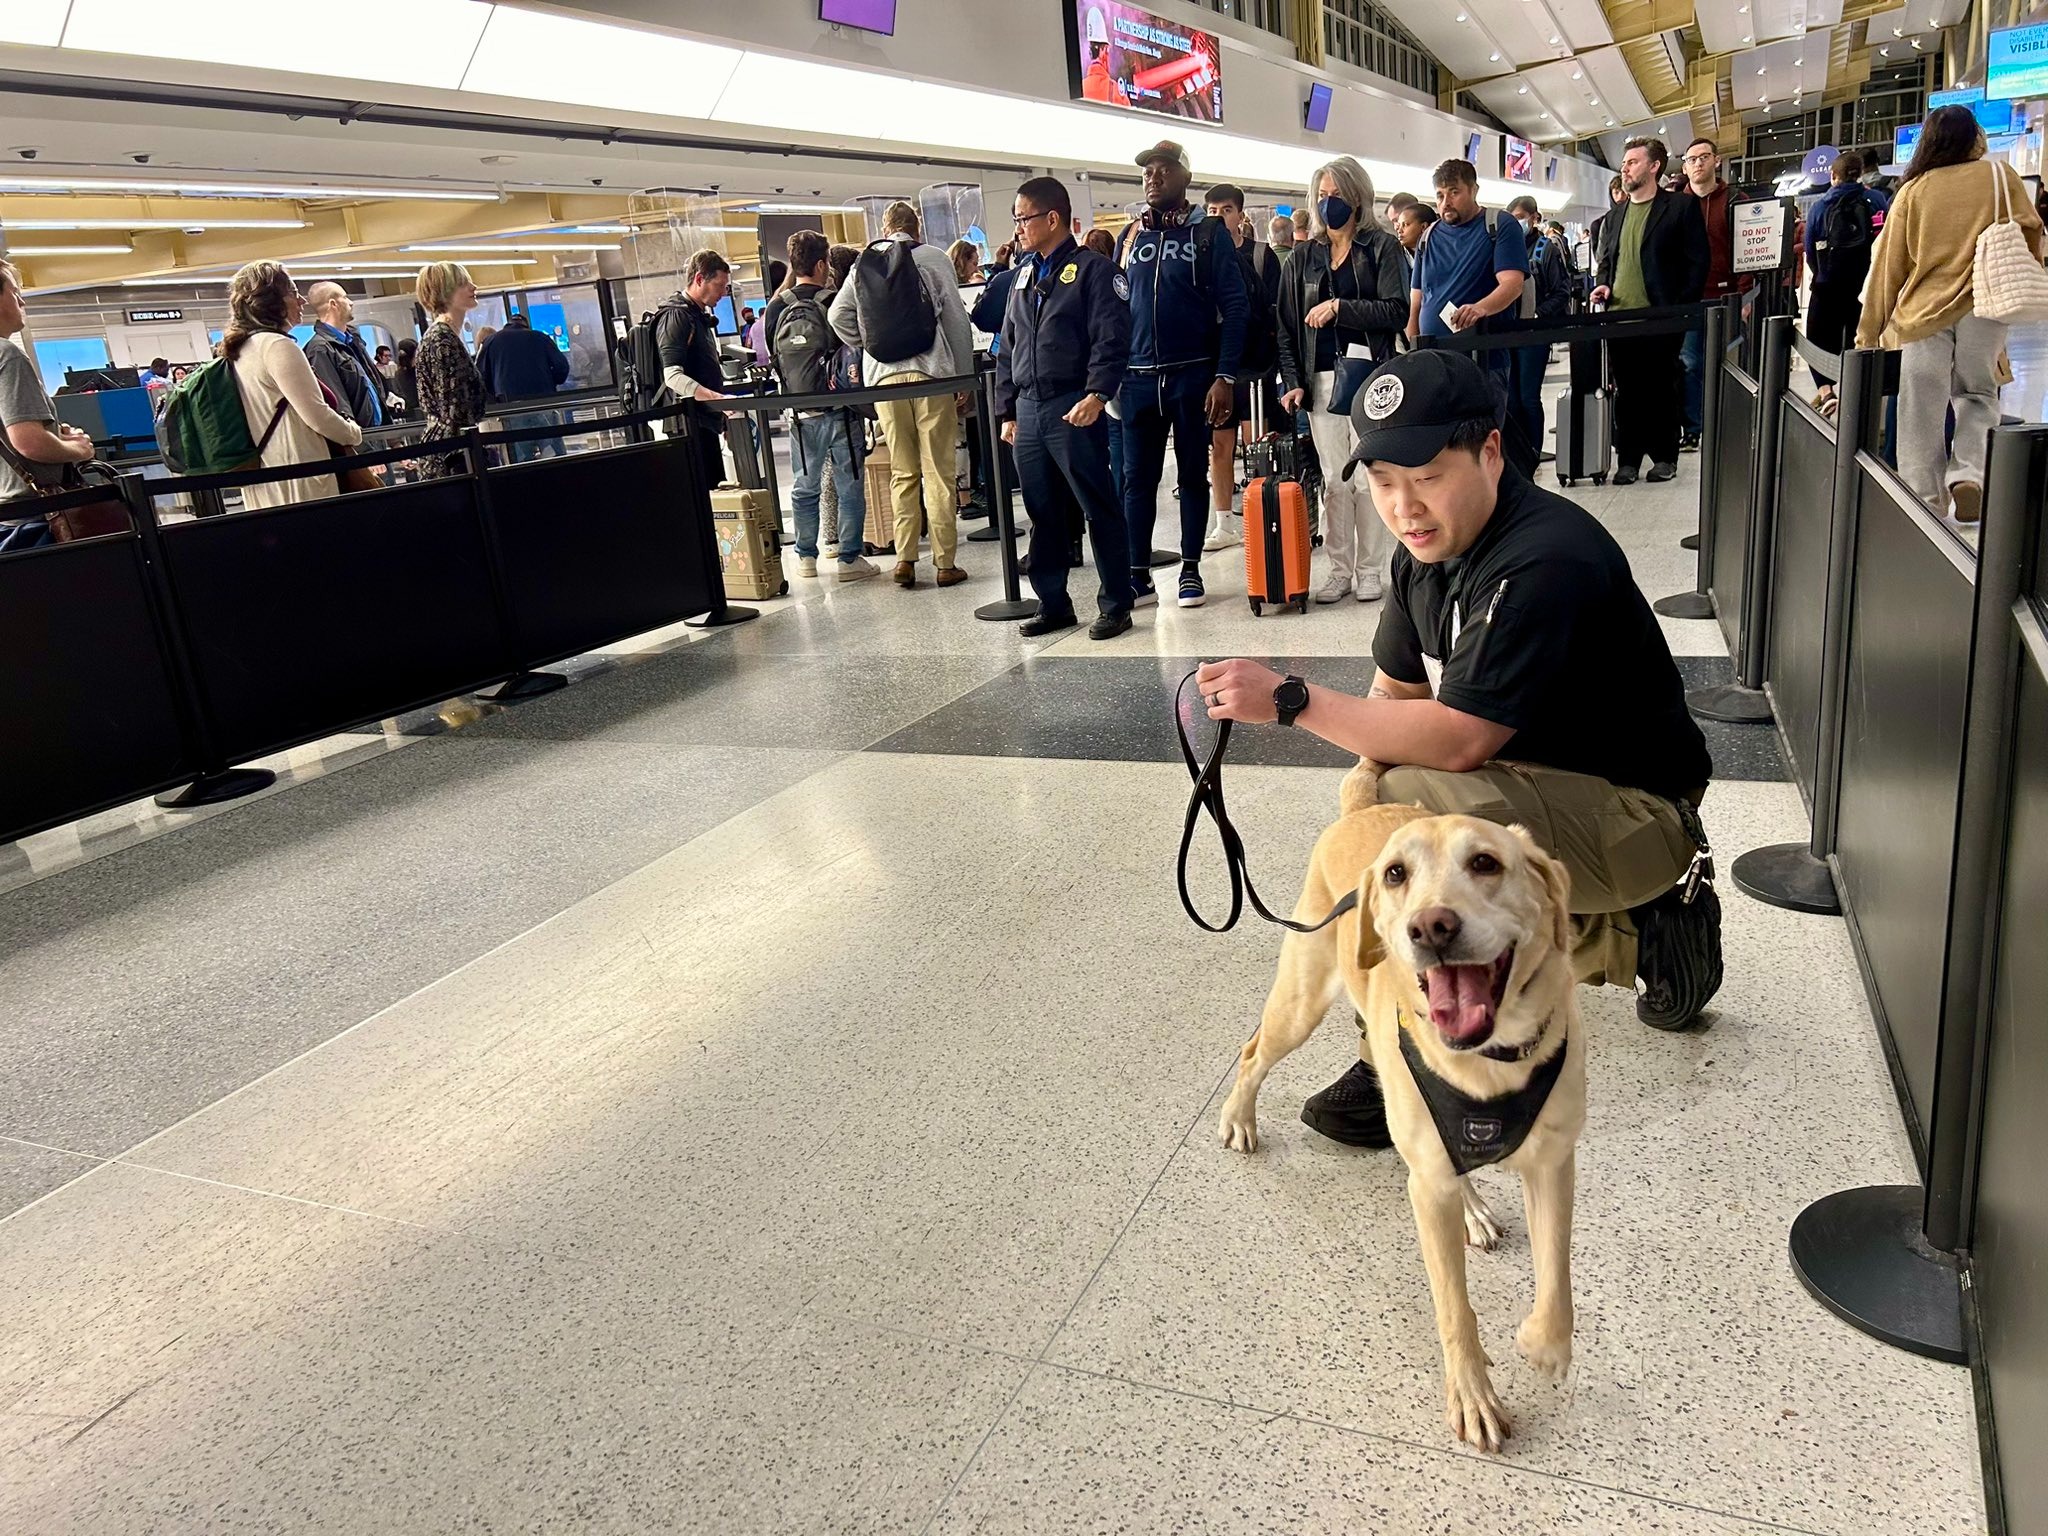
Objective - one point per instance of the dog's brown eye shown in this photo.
(1484, 864)
(1396, 874)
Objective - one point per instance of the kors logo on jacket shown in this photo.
(1168, 245)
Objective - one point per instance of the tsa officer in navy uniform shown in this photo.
(1066, 336)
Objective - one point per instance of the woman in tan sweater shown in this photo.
(1919, 301)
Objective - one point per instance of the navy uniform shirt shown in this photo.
(1066, 329)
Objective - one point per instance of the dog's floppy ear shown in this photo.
(1557, 887)
(1370, 950)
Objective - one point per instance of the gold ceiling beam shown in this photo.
(1633, 20)
(366, 234)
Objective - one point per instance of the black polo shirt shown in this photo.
(1540, 627)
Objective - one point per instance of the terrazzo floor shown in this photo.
(769, 1085)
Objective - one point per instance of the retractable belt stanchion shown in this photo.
(1696, 604)
(1002, 520)
(1743, 701)
(1884, 1257)
(1796, 876)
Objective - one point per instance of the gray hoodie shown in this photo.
(952, 350)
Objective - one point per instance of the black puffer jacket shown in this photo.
(1377, 266)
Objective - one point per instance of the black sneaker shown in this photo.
(1351, 1110)
(1689, 442)
(1109, 626)
(1678, 957)
(1145, 595)
(1626, 475)
(1661, 472)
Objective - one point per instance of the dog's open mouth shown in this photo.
(1463, 999)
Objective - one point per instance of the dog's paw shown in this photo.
(1482, 1229)
(1238, 1127)
(1471, 1410)
(1547, 1348)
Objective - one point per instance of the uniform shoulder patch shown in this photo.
(1069, 271)
(1383, 396)
(1122, 285)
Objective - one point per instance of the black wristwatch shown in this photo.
(1290, 699)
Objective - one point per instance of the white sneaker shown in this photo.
(1225, 533)
(1333, 590)
(1369, 587)
(806, 565)
(858, 569)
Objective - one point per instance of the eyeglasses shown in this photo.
(1699, 159)
(1022, 219)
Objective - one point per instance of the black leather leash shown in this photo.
(1207, 796)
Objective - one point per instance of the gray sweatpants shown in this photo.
(1955, 367)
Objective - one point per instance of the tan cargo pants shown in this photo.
(1622, 847)
(921, 433)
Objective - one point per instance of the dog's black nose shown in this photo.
(1433, 927)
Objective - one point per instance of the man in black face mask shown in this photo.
(1188, 311)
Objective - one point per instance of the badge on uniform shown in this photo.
(1067, 272)
(1122, 285)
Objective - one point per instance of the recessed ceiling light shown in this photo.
(1760, 71)
(1462, 16)
(1494, 57)
(1554, 42)
(1916, 45)
(1746, 37)
(1884, 53)
(1521, 90)
(1799, 63)
(1898, 31)
(1578, 74)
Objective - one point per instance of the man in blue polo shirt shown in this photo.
(1470, 260)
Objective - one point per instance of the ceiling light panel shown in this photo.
(439, 35)
(535, 56)
(38, 23)
(1584, 22)
(1462, 48)
(70, 250)
(1610, 79)
(198, 221)
(298, 193)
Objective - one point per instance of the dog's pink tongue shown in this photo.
(1460, 998)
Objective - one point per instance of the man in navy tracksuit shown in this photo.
(1066, 333)
(1188, 314)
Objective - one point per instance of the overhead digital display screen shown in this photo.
(1519, 159)
(1992, 116)
(2017, 65)
(1316, 115)
(1125, 56)
(866, 15)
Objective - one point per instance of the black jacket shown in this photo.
(1379, 268)
(1067, 332)
(349, 373)
(1675, 254)
(520, 363)
(686, 337)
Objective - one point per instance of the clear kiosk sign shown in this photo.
(1759, 235)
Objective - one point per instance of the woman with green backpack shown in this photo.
(289, 418)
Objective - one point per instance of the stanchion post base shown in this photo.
(1788, 875)
(1860, 1254)
(987, 534)
(1160, 557)
(1006, 612)
(527, 685)
(1731, 704)
(214, 788)
(1685, 605)
(1690, 541)
(719, 618)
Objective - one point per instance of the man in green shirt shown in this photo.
(1654, 253)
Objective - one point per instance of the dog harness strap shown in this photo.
(1207, 795)
(1479, 1132)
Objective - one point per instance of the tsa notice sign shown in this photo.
(1759, 236)
(1127, 57)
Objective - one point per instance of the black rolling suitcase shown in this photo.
(1585, 431)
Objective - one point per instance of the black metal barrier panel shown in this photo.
(1735, 446)
(307, 618)
(1799, 581)
(1905, 690)
(89, 696)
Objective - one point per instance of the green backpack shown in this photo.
(203, 429)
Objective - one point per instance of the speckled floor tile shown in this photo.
(222, 951)
(1739, 751)
(28, 1172)
(1080, 1454)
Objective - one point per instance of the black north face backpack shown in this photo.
(897, 318)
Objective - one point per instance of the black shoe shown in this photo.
(1046, 624)
(1626, 475)
(1546, 457)
(1661, 472)
(1109, 626)
(1678, 957)
(1350, 1110)
(1689, 442)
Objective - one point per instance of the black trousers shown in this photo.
(1064, 472)
(1648, 384)
(1832, 315)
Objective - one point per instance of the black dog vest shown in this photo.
(1480, 1132)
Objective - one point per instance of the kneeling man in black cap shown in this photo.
(1521, 678)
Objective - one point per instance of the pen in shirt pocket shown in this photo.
(1492, 608)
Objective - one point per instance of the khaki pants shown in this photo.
(1622, 847)
(921, 434)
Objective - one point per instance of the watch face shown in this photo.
(1292, 696)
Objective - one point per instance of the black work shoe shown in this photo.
(1350, 1110)
(1661, 472)
(1109, 626)
(1046, 624)
(1626, 475)
(1689, 442)
(1678, 957)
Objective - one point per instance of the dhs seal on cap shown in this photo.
(1412, 404)
(1383, 396)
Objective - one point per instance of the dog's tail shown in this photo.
(1361, 787)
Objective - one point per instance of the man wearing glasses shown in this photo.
(1703, 180)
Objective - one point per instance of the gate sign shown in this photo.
(1819, 161)
(1759, 235)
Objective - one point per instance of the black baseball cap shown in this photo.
(1407, 410)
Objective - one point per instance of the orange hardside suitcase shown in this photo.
(1276, 529)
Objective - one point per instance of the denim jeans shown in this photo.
(1526, 368)
(1155, 407)
(823, 440)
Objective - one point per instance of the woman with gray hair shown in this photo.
(1343, 297)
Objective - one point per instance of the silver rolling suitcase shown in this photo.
(1585, 428)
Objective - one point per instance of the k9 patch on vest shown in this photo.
(1482, 1135)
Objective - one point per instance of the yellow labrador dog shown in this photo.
(1458, 959)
